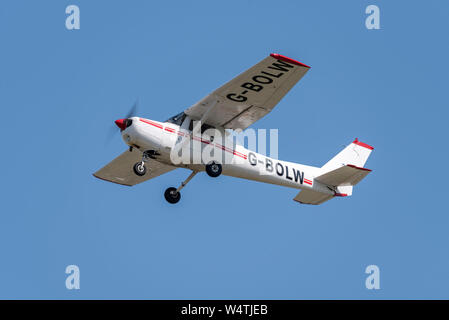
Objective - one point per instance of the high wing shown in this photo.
(251, 95)
(120, 170)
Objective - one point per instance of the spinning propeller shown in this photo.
(125, 122)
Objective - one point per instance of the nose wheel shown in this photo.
(140, 169)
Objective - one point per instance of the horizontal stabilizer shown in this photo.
(312, 197)
(348, 175)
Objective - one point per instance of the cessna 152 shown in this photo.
(236, 105)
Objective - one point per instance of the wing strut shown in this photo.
(204, 117)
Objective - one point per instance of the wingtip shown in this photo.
(122, 184)
(288, 60)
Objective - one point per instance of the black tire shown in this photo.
(213, 169)
(139, 169)
(171, 195)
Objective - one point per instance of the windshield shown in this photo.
(178, 119)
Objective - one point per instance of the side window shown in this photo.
(180, 119)
(204, 127)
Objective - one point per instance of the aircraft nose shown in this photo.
(121, 123)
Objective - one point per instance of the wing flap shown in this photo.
(348, 175)
(120, 170)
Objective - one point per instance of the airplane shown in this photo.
(234, 106)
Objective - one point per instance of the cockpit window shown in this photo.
(178, 119)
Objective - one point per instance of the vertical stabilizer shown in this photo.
(354, 154)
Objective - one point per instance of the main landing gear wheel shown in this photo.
(213, 169)
(140, 169)
(171, 195)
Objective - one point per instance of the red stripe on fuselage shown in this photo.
(157, 125)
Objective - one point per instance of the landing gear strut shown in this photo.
(173, 195)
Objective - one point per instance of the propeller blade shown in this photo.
(111, 133)
(133, 110)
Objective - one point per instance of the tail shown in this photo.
(340, 174)
(355, 154)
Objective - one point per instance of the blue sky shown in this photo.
(228, 238)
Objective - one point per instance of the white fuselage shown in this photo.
(240, 162)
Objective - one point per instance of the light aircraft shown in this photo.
(234, 106)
